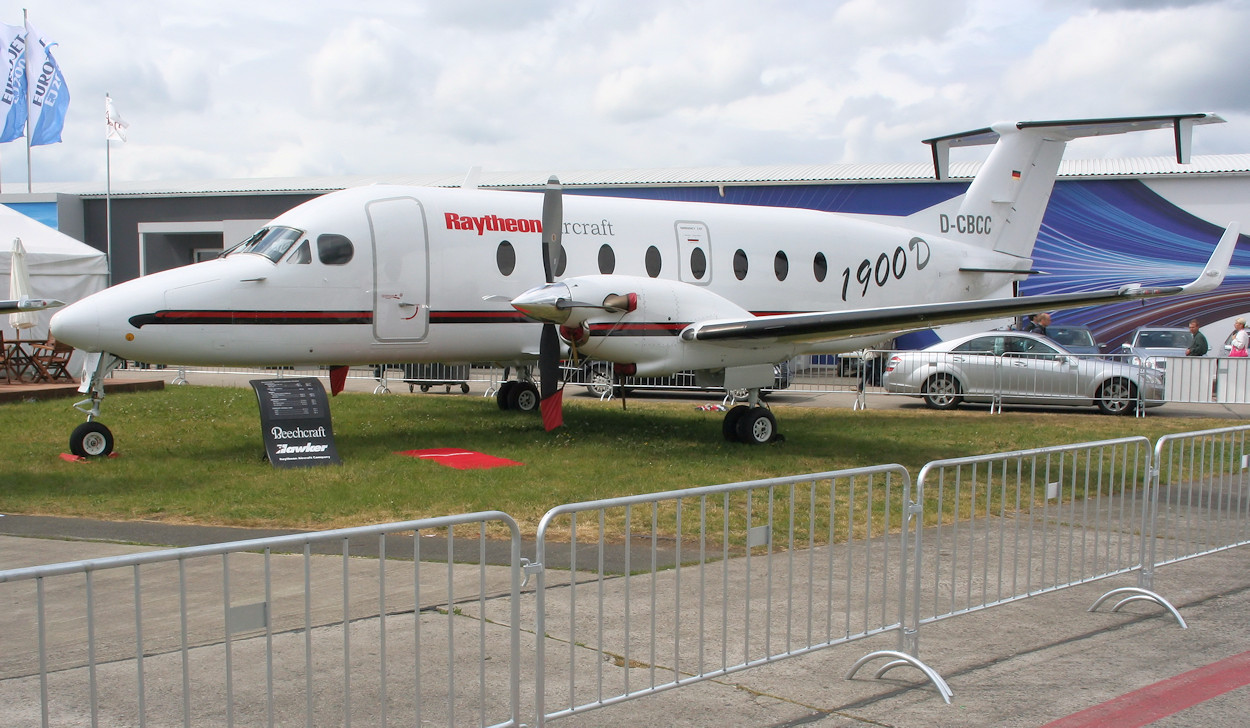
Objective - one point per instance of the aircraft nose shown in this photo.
(78, 325)
(543, 303)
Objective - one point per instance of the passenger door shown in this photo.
(401, 287)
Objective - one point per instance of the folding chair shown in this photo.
(51, 360)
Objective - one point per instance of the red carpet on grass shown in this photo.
(454, 457)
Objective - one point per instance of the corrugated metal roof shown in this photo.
(1223, 164)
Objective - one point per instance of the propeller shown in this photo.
(550, 394)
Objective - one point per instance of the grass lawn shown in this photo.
(194, 454)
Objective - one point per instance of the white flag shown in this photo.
(115, 126)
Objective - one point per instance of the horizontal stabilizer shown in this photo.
(1067, 130)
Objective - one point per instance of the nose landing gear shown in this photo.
(92, 439)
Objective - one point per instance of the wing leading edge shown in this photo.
(834, 325)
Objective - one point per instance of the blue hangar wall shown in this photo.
(1095, 234)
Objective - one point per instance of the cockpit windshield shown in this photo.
(271, 242)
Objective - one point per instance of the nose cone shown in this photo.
(78, 325)
(543, 303)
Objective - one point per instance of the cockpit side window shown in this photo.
(334, 249)
(270, 242)
(302, 255)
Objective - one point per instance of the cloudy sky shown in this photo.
(259, 88)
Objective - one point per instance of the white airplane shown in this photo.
(386, 274)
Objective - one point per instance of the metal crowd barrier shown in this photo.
(1003, 527)
(244, 634)
(1187, 380)
(633, 595)
(712, 580)
(1201, 502)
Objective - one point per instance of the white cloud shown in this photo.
(235, 88)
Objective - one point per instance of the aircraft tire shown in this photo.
(504, 396)
(729, 427)
(757, 426)
(91, 440)
(523, 397)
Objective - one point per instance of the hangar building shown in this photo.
(1108, 220)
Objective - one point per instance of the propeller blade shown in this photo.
(553, 223)
(549, 377)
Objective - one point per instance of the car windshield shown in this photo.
(1164, 339)
(1071, 337)
(272, 242)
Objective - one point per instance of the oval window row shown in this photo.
(505, 259)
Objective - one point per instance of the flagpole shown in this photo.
(26, 52)
(108, 195)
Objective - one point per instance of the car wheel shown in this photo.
(1117, 397)
(942, 392)
(599, 380)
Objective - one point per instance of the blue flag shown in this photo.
(51, 97)
(13, 69)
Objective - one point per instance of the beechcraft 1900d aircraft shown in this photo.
(387, 274)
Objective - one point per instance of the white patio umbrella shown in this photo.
(19, 288)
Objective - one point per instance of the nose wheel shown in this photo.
(91, 440)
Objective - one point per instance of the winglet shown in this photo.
(1212, 275)
(1217, 267)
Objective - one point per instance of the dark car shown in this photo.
(1076, 339)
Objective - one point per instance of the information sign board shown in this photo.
(295, 422)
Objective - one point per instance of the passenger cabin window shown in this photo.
(740, 264)
(820, 267)
(270, 242)
(653, 262)
(781, 265)
(607, 260)
(562, 261)
(505, 258)
(698, 264)
(334, 249)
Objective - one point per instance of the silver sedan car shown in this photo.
(1013, 367)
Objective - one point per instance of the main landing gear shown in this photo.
(92, 439)
(519, 395)
(751, 423)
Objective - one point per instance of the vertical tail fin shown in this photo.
(1003, 207)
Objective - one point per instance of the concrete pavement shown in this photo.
(1019, 664)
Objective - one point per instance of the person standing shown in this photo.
(1039, 323)
(1240, 338)
(1197, 347)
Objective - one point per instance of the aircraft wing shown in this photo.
(28, 304)
(834, 325)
